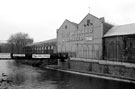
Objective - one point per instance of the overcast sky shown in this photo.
(41, 18)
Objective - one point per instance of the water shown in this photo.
(28, 77)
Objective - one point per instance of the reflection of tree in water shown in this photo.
(18, 77)
(16, 74)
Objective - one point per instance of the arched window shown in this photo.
(74, 50)
(85, 51)
(48, 47)
(80, 51)
(45, 47)
(52, 47)
(90, 51)
(63, 48)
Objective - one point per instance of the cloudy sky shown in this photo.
(41, 18)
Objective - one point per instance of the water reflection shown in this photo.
(28, 77)
(70, 81)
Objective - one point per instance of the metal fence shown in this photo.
(86, 51)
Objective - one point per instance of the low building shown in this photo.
(120, 43)
(44, 47)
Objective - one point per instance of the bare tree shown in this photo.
(18, 41)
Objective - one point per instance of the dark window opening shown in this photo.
(88, 22)
(65, 26)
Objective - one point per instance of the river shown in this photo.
(28, 77)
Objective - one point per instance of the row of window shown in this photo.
(39, 49)
(42, 51)
(43, 48)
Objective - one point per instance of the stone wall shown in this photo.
(101, 69)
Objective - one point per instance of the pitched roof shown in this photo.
(121, 30)
(88, 15)
(43, 42)
(73, 23)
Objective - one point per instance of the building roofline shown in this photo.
(42, 42)
(108, 34)
(87, 15)
(73, 23)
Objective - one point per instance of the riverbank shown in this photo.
(65, 68)
(96, 75)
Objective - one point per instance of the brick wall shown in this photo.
(107, 70)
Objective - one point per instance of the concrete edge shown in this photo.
(92, 75)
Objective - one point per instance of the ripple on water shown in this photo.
(27, 77)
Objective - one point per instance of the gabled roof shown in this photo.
(88, 15)
(75, 24)
(121, 30)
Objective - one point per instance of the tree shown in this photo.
(18, 41)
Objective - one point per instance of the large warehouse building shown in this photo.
(83, 40)
(97, 47)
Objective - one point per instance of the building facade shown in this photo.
(83, 40)
(119, 44)
(95, 47)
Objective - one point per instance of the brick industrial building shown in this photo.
(83, 40)
(97, 47)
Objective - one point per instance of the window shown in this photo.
(65, 26)
(45, 48)
(48, 47)
(51, 47)
(88, 22)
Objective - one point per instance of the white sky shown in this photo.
(41, 18)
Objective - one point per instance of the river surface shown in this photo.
(28, 77)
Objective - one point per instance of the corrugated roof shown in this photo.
(47, 41)
(121, 30)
